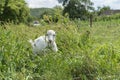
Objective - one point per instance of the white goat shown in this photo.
(45, 41)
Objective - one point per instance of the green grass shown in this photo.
(84, 53)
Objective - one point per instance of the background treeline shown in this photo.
(38, 12)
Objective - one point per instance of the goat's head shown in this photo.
(50, 36)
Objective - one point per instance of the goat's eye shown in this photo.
(54, 35)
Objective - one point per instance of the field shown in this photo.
(85, 53)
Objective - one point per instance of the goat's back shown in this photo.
(40, 43)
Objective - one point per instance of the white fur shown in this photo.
(43, 42)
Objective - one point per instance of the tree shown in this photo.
(102, 9)
(13, 11)
(77, 8)
(63, 1)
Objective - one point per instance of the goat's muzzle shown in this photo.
(50, 41)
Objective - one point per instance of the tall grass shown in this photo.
(84, 53)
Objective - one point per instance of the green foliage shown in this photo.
(101, 10)
(84, 53)
(13, 11)
(47, 14)
(107, 17)
(78, 8)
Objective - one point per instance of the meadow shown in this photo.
(85, 53)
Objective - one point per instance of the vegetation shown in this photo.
(47, 15)
(102, 9)
(84, 53)
(74, 9)
(13, 11)
(38, 12)
(77, 8)
(107, 17)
